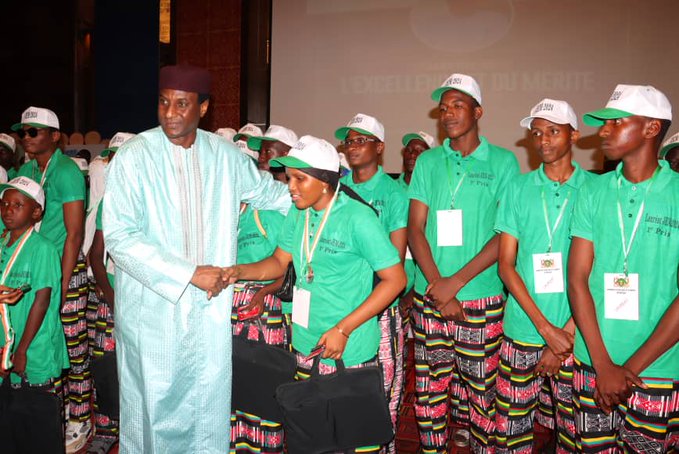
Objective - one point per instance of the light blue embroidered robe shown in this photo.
(166, 210)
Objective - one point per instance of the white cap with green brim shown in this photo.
(27, 187)
(275, 133)
(630, 100)
(37, 117)
(310, 153)
(421, 135)
(554, 110)
(364, 124)
(243, 147)
(116, 142)
(667, 145)
(247, 131)
(460, 82)
(227, 133)
(8, 141)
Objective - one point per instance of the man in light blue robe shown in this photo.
(170, 222)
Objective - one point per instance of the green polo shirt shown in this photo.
(521, 215)
(352, 246)
(409, 264)
(11, 173)
(654, 255)
(100, 226)
(488, 170)
(401, 180)
(39, 265)
(387, 197)
(64, 183)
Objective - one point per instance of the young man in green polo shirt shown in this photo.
(533, 220)
(363, 145)
(30, 262)
(623, 283)
(275, 143)
(454, 193)
(63, 225)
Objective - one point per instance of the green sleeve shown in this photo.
(69, 183)
(507, 214)
(398, 210)
(286, 236)
(272, 221)
(374, 243)
(582, 219)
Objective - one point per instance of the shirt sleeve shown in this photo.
(508, 172)
(582, 218)
(69, 183)
(287, 234)
(374, 244)
(507, 214)
(398, 209)
(272, 222)
(260, 190)
(419, 183)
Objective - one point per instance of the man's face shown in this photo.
(621, 136)
(411, 152)
(551, 140)
(6, 157)
(270, 149)
(672, 157)
(458, 114)
(17, 210)
(179, 114)
(361, 155)
(44, 140)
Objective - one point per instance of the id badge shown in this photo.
(548, 273)
(449, 227)
(621, 296)
(301, 305)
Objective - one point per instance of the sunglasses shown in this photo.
(31, 132)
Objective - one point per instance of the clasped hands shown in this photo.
(442, 292)
(214, 279)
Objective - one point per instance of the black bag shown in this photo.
(30, 420)
(258, 369)
(105, 375)
(289, 279)
(336, 412)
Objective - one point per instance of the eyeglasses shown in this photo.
(32, 132)
(358, 141)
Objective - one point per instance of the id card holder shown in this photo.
(301, 306)
(449, 227)
(548, 273)
(621, 296)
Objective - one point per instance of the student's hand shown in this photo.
(559, 341)
(210, 279)
(406, 304)
(11, 297)
(231, 274)
(614, 385)
(443, 290)
(453, 311)
(549, 364)
(335, 343)
(257, 301)
(19, 361)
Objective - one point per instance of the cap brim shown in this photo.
(255, 143)
(408, 137)
(343, 132)
(240, 136)
(526, 122)
(107, 151)
(15, 127)
(6, 186)
(599, 117)
(289, 161)
(438, 93)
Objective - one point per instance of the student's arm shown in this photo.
(33, 323)
(419, 246)
(558, 340)
(272, 267)
(613, 382)
(97, 262)
(258, 298)
(664, 337)
(392, 282)
(74, 218)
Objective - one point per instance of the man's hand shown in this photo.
(19, 361)
(209, 278)
(10, 295)
(614, 385)
(453, 311)
(443, 290)
(559, 341)
(549, 364)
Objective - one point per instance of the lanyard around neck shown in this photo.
(552, 229)
(309, 250)
(453, 193)
(44, 174)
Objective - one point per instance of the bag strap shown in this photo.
(259, 224)
(339, 364)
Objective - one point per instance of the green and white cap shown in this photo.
(116, 142)
(554, 110)
(82, 164)
(460, 82)
(227, 133)
(310, 153)
(629, 100)
(247, 131)
(27, 187)
(275, 133)
(37, 117)
(243, 147)
(8, 141)
(667, 145)
(421, 135)
(364, 124)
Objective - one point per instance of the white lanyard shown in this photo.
(626, 247)
(4, 312)
(44, 174)
(551, 230)
(309, 251)
(453, 194)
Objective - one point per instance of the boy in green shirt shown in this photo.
(623, 283)
(363, 145)
(63, 225)
(33, 335)
(533, 220)
(454, 193)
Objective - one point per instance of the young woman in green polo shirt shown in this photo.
(336, 244)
